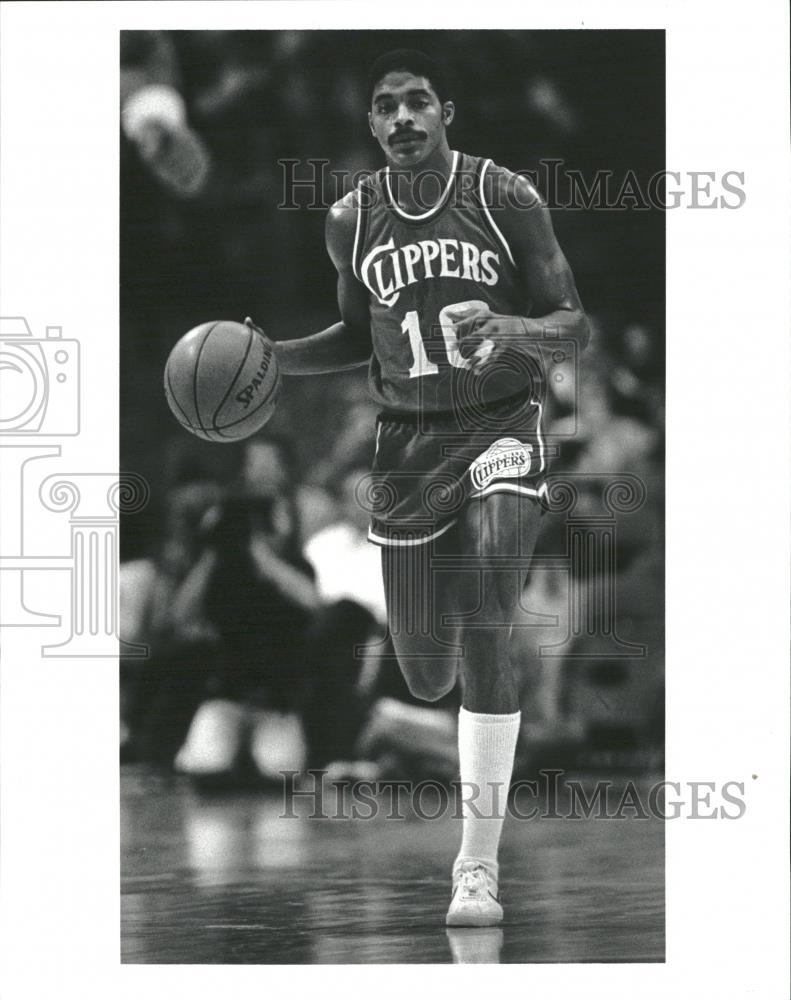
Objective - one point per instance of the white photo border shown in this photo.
(727, 500)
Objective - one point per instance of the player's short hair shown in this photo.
(411, 61)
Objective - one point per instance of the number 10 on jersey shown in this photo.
(448, 316)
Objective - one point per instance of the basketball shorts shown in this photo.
(428, 466)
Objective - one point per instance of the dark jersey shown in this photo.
(423, 273)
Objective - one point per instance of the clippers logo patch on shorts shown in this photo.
(505, 459)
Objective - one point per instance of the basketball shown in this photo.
(222, 380)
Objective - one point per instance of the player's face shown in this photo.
(407, 119)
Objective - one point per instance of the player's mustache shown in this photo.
(406, 134)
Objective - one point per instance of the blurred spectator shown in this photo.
(353, 439)
(154, 114)
(409, 741)
(254, 586)
(160, 694)
(347, 565)
(250, 665)
(603, 442)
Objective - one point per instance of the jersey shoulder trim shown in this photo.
(364, 198)
(339, 230)
(484, 203)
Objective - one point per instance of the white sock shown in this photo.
(486, 758)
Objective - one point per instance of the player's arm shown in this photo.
(555, 307)
(543, 267)
(346, 344)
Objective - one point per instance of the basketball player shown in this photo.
(449, 276)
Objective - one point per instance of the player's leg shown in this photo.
(420, 592)
(497, 536)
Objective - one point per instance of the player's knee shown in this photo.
(429, 692)
(431, 681)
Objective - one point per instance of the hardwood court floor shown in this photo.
(223, 880)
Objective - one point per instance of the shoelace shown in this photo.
(473, 879)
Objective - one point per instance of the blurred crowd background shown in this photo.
(248, 574)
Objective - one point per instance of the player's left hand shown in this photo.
(485, 336)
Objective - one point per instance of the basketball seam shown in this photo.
(172, 392)
(233, 423)
(191, 427)
(233, 380)
(195, 375)
(183, 423)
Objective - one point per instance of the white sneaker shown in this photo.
(474, 902)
